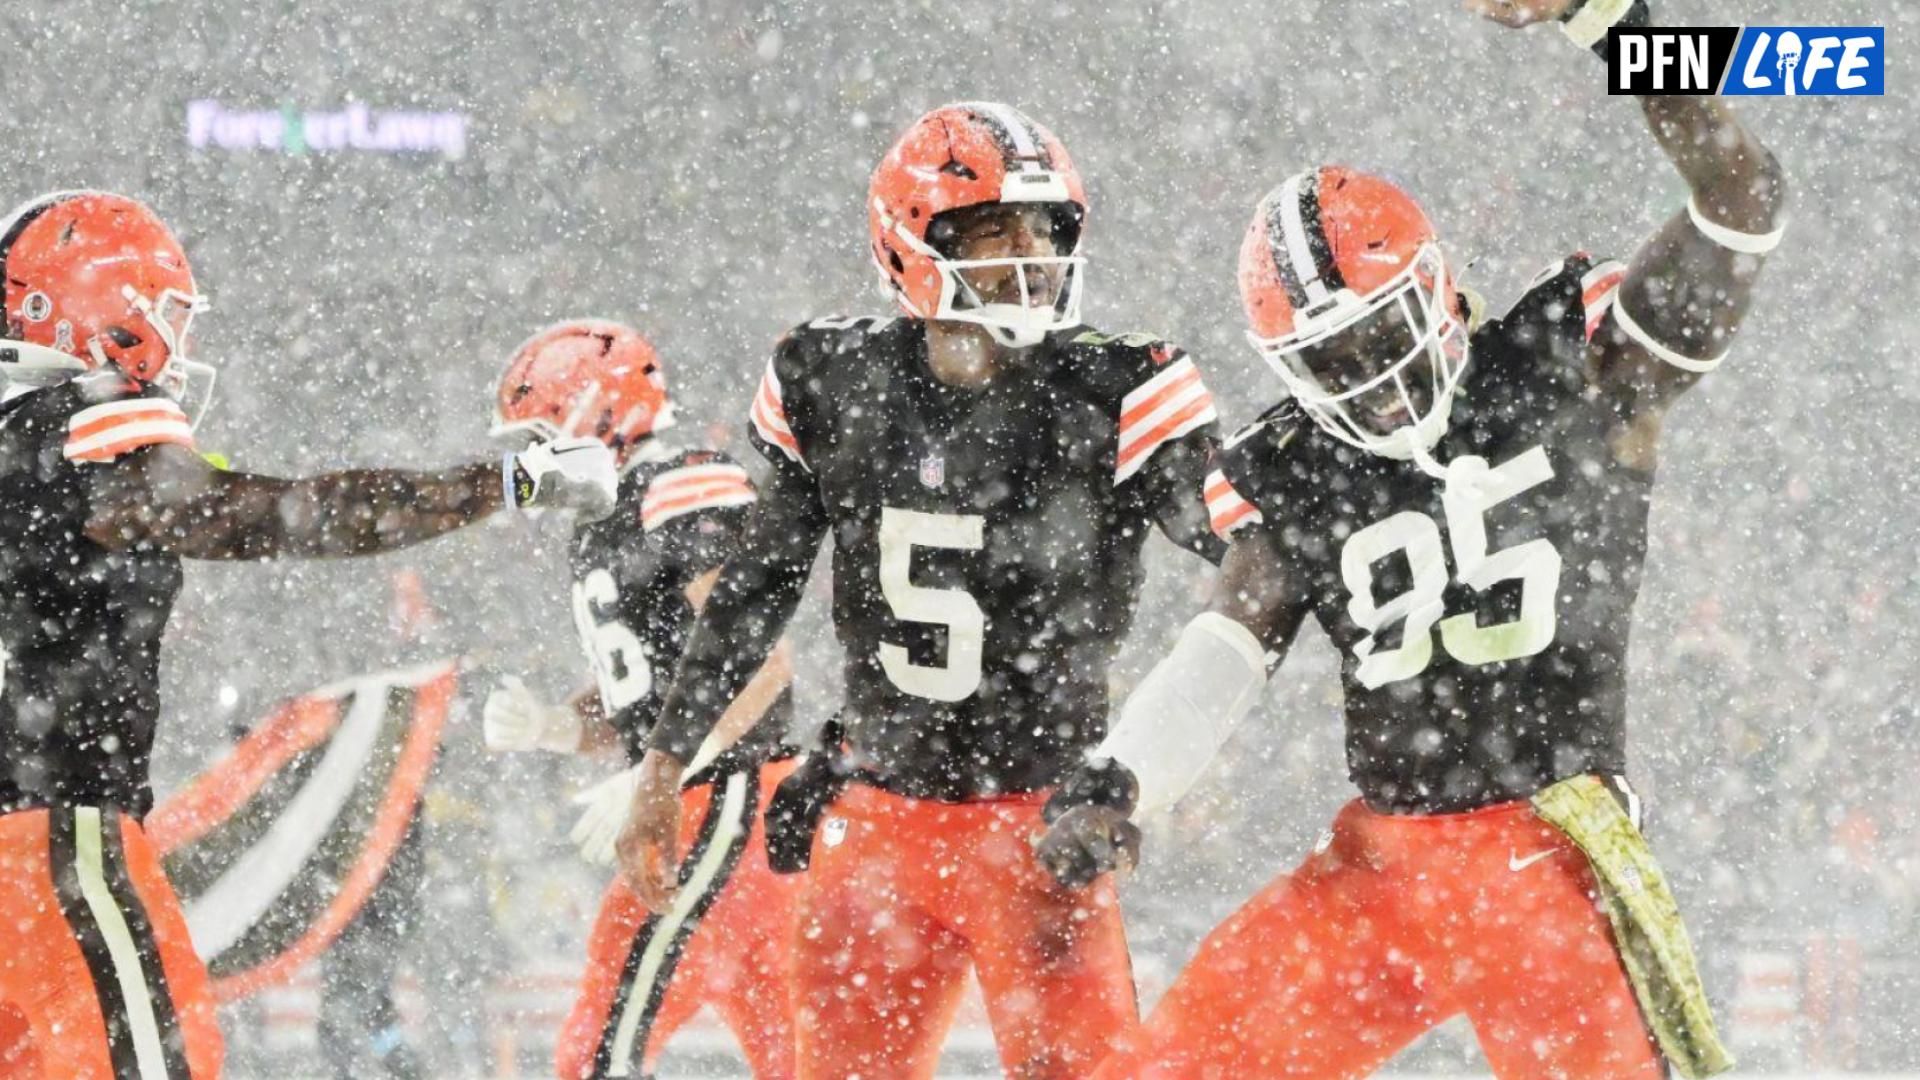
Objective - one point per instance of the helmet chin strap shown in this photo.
(1422, 455)
(1415, 442)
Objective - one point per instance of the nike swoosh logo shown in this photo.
(1517, 864)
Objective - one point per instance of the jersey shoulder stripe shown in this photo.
(769, 417)
(1256, 473)
(812, 368)
(1172, 402)
(103, 432)
(1227, 510)
(1561, 311)
(1599, 287)
(690, 489)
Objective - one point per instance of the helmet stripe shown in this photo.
(1015, 133)
(1276, 230)
(1303, 254)
(1317, 240)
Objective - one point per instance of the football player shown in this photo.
(989, 470)
(102, 493)
(639, 575)
(1462, 506)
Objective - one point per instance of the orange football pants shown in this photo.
(98, 980)
(1394, 924)
(904, 895)
(727, 943)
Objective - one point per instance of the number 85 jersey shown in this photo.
(1482, 619)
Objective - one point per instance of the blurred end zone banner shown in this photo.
(353, 127)
(1748, 61)
(275, 848)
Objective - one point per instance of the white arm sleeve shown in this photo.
(1185, 708)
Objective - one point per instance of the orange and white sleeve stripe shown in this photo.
(769, 416)
(1165, 407)
(103, 432)
(1597, 292)
(691, 489)
(1226, 509)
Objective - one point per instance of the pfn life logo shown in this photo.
(1749, 61)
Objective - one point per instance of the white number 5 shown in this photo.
(1472, 489)
(900, 532)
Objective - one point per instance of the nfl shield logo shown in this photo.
(933, 470)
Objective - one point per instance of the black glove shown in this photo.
(1089, 834)
(794, 812)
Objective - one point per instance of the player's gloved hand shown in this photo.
(514, 718)
(647, 844)
(607, 806)
(563, 474)
(1088, 832)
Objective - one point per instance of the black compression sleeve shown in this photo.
(745, 614)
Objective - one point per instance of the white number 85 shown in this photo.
(1472, 490)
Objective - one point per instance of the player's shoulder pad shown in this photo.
(696, 480)
(819, 339)
(112, 416)
(795, 397)
(1121, 361)
(1152, 387)
(1251, 467)
(1572, 296)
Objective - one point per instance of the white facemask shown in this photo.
(1423, 297)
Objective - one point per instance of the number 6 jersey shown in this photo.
(1482, 620)
(679, 514)
(986, 543)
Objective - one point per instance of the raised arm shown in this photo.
(1688, 288)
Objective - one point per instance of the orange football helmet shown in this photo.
(93, 279)
(589, 378)
(1333, 252)
(964, 155)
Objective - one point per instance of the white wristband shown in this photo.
(507, 461)
(1183, 711)
(1732, 239)
(1645, 340)
(1590, 24)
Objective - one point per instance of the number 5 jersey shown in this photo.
(1482, 619)
(986, 543)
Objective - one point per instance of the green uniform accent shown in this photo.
(217, 459)
(1647, 929)
(1135, 340)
